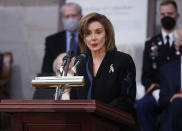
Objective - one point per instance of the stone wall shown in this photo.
(24, 24)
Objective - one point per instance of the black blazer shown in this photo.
(114, 83)
(170, 81)
(54, 45)
(152, 61)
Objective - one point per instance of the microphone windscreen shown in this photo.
(79, 59)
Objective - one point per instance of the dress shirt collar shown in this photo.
(171, 37)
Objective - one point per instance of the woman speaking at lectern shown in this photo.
(109, 74)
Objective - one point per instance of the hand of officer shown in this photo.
(178, 95)
(179, 33)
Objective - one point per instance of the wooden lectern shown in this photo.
(65, 115)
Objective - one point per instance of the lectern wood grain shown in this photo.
(68, 115)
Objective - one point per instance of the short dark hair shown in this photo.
(167, 2)
(103, 20)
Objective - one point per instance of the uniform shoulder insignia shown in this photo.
(148, 38)
(159, 43)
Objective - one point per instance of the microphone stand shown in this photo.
(67, 66)
(60, 89)
(58, 92)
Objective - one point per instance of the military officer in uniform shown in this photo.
(171, 93)
(158, 50)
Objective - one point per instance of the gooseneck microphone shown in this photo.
(65, 64)
(66, 61)
(79, 59)
(70, 55)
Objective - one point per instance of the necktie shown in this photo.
(167, 42)
(168, 52)
(73, 44)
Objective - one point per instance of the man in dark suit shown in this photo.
(59, 43)
(158, 51)
(171, 94)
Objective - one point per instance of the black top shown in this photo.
(114, 83)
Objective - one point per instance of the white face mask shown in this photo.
(71, 24)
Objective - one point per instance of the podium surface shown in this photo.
(65, 115)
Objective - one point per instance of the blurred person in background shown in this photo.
(171, 92)
(60, 42)
(159, 50)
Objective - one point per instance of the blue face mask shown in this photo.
(71, 24)
(168, 22)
